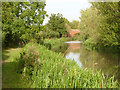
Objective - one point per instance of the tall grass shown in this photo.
(47, 69)
(55, 41)
(56, 45)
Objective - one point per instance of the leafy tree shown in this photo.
(99, 24)
(22, 20)
(110, 15)
(74, 24)
(89, 25)
(57, 24)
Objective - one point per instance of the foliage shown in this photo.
(49, 33)
(28, 61)
(55, 41)
(110, 20)
(77, 37)
(68, 28)
(89, 25)
(57, 24)
(22, 20)
(74, 24)
(57, 72)
(99, 25)
(56, 45)
(91, 44)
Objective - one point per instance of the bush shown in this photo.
(49, 34)
(57, 72)
(29, 60)
(90, 44)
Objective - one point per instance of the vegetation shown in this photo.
(56, 45)
(74, 24)
(57, 24)
(109, 25)
(99, 25)
(21, 21)
(10, 77)
(36, 65)
(48, 69)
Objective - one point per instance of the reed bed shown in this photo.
(47, 69)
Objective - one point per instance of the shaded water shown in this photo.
(107, 62)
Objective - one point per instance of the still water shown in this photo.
(107, 62)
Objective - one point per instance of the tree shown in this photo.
(89, 25)
(109, 29)
(57, 23)
(74, 24)
(99, 24)
(22, 20)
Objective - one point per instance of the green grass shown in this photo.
(56, 45)
(10, 77)
(47, 69)
(55, 41)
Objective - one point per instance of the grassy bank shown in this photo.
(47, 69)
(55, 41)
(10, 77)
(56, 45)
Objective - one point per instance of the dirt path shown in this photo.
(7, 54)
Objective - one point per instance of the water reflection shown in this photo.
(107, 62)
(74, 56)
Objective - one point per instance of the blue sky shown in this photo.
(70, 9)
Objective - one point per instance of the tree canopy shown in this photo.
(57, 23)
(22, 20)
(110, 15)
(74, 24)
(99, 23)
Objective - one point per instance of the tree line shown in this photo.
(100, 24)
(23, 21)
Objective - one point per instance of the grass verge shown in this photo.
(10, 77)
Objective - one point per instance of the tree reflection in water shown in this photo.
(104, 61)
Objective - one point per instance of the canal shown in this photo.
(103, 60)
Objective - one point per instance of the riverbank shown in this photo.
(49, 69)
(35, 66)
(105, 59)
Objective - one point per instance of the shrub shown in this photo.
(29, 60)
(90, 44)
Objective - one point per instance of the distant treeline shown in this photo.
(23, 21)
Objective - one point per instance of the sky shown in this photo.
(70, 9)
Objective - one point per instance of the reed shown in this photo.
(47, 69)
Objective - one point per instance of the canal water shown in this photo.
(107, 62)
